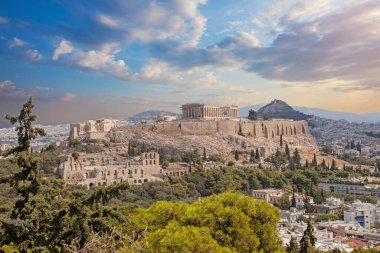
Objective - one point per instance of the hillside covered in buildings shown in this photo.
(165, 178)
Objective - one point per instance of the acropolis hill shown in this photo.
(219, 131)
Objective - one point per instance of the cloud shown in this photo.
(16, 42)
(67, 97)
(8, 89)
(104, 63)
(107, 21)
(338, 45)
(33, 55)
(126, 21)
(4, 21)
(63, 48)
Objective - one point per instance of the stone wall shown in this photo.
(259, 128)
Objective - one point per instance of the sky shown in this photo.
(93, 59)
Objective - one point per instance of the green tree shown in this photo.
(27, 181)
(229, 222)
(257, 155)
(294, 203)
(237, 155)
(284, 202)
(292, 247)
(296, 159)
(308, 240)
(333, 165)
(287, 152)
(252, 115)
(204, 154)
(314, 162)
(281, 141)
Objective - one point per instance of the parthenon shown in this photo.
(201, 111)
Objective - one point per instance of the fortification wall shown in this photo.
(259, 128)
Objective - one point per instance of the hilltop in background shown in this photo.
(371, 117)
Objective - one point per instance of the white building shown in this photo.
(93, 129)
(269, 195)
(364, 214)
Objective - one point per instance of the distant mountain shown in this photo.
(371, 117)
(352, 117)
(278, 109)
(148, 116)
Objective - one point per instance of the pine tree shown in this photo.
(323, 164)
(252, 157)
(257, 155)
(287, 152)
(359, 147)
(308, 240)
(26, 182)
(294, 204)
(296, 159)
(314, 162)
(236, 155)
(129, 149)
(278, 153)
(292, 247)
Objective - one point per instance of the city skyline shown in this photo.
(83, 61)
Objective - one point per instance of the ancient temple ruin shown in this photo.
(202, 111)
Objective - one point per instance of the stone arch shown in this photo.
(266, 132)
(272, 134)
(295, 130)
(142, 172)
(278, 130)
(291, 131)
(286, 130)
(282, 130)
(145, 180)
(303, 129)
(99, 184)
(135, 181)
(86, 175)
(91, 185)
(140, 181)
(104, 183)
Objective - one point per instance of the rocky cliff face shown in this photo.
(278, 109)
(221, 137)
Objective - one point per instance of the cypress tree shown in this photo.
(294, 204)
(333, 165)
(204, 154)
(257, 156)
(236, 155)
(281, 142)
(314, 162)
(292, 247)
(296, 159)
(287, 152)
(308, 240)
